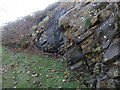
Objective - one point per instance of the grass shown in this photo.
(50, 72)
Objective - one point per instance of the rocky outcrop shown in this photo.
(87, 34)
(47, 36)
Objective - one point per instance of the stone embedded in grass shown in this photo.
(27, 79)
(25, 57)
(54, 64)
(40, 74)
(53, 70)
(6, 70)
(47, 75)
(13, 77)
(34, 82)
(54, 77)
(59, 87)
(28, 72)
(40, 84)
(65, 73)
(81, 72)
(57, 77)
(58, 69)
(39, 67)
(19, 71)
(66, 77)
(28, 62)
(83, 85)
(63, 80)
(57, 72)
(7, 65)
(11, 56)
(14, 72)
(60, 80)
(23, 72)
(35, 75)
(15, 82)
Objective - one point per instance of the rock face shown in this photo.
(87, 34)
(47, 36)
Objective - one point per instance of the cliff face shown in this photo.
(47, 36)
(88, 35)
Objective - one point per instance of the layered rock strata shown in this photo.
(88, 35)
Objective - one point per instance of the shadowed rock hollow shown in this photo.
(87, 34)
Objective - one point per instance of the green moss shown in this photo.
(87, 23)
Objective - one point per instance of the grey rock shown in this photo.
(106, 44)
(113, 50)
(110, 83)
(77, 65)
(114, 71)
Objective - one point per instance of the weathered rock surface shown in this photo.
(87, 34)
(47, 36)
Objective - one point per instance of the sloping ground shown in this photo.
(26, 70)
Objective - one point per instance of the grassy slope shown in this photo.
(42, 81)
